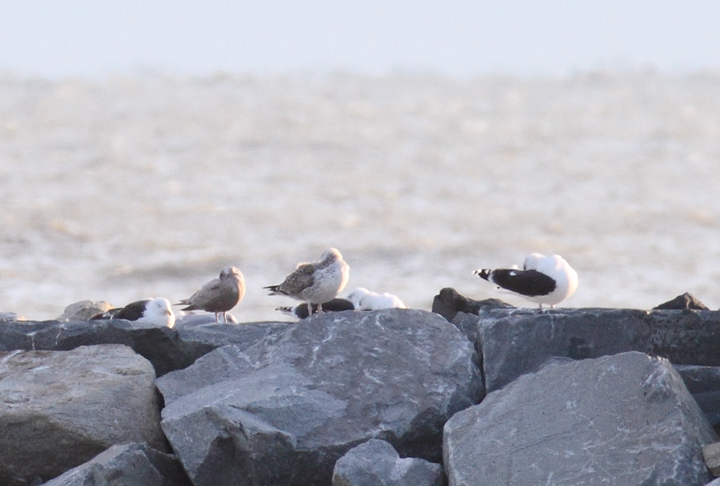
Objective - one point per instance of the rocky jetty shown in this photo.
(474, 393)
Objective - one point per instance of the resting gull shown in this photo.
(301, 310)
(317, 282)
(149, 311)
(543, 279)
(219, 295)
(364, 299)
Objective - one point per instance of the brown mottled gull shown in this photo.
(219, 295)
(317, 282)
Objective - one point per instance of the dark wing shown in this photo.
(302, 278)
(108, 314)
(337, 305)
(133, 311)
(530, 283)
(301, 310)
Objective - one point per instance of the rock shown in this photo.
(624, 420)
(126, 465)
(448, 303)
(711, 456)
(167, 349)
(201, 319)
(684, 301)
(377, 463)
(11, 316)
(60, 409)
(703, 382)
(512, 342)
(84, 310)
(284, 410)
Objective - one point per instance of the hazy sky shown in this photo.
(99, 37)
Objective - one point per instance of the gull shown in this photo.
(149, 311)
(301, 310)
(219, 295)
(364, 299)
(315, 283)
(543, 280)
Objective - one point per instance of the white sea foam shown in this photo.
(137, 187)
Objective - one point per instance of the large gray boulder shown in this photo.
(60, 409)
(84, 310)
(703, 382)
(377, 463)
(285, 409)
(167, 349)
(517, 341)
(623, 420)
(126, 465)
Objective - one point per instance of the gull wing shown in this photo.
(530, 283)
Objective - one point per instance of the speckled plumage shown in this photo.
(317, 282)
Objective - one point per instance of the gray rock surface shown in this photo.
(376, 463)
(683, 301)
(199, 318)
(285, 409)
(60, 409)
(711, 455)
(126, 465)
(449, 302)
(167, 349)
(517, 341)
(703, 382)
(84, 310)
(623, 420)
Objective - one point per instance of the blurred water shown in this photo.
(148, 186)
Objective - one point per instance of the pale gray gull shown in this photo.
(219, 295)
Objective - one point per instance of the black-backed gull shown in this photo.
(301, 310)
(149, 311)
(543, 280)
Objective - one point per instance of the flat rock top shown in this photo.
(332, 350)
(51, 376)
